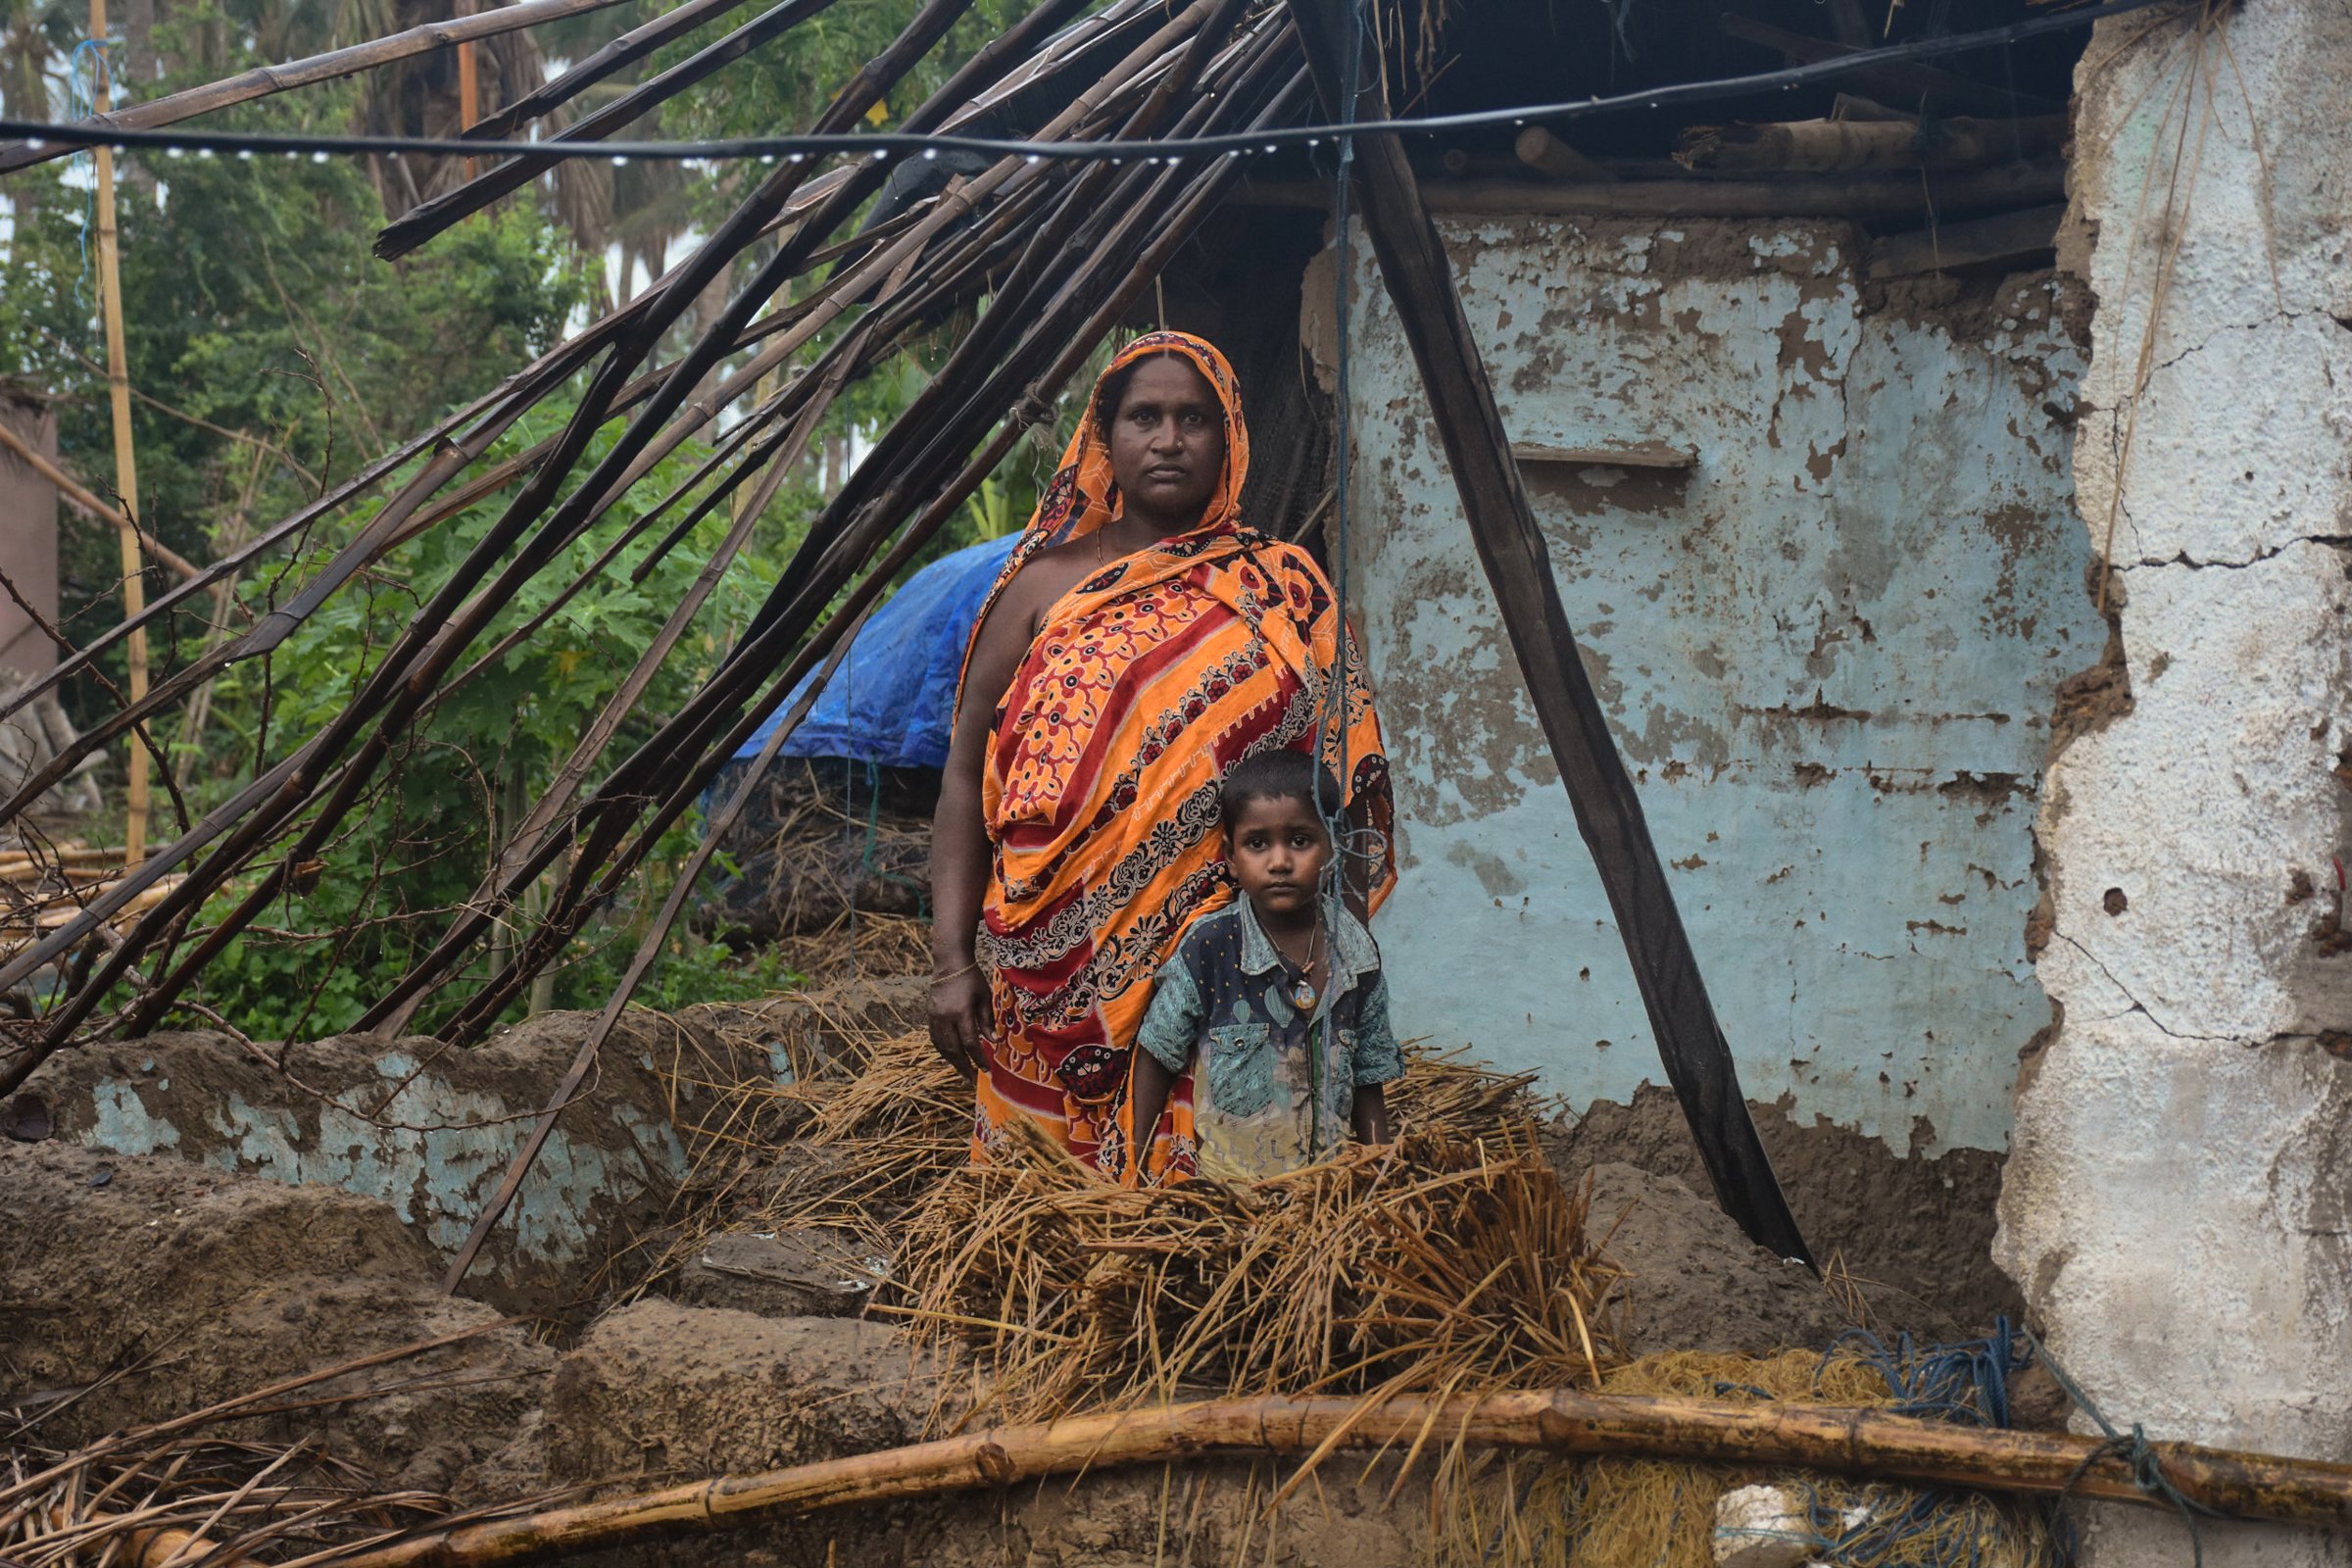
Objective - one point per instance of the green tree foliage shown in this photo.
(392, 875)
(279, 356)
(288, 356)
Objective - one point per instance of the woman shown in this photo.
(1140, 642)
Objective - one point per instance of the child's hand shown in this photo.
(961, 1018)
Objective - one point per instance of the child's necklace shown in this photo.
(1304, 995)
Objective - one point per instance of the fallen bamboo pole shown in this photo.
(262, 80)
(79, 497)
(1511, 549)
(1853, 1442)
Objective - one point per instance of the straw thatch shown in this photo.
(199, 1488)
(863, 1133)
(1439, 1263)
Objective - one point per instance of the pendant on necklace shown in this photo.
(1304, 995)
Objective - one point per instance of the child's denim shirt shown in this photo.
(1262, 1101)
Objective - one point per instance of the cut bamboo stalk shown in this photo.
(1540, 150)
(126, 469)
(1836, 146)
(89, 506)
(262, 80)
(1850, 1442)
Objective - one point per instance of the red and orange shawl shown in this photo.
(1146, 682)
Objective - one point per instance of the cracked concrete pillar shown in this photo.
(2177, 1202)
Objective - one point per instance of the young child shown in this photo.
(1275, 1002)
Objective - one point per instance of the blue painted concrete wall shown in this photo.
(1828, 649)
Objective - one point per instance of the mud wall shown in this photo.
(426, 1129)
(28, 517)
(431, 1129)
(1827, 646)
(2176, 1205)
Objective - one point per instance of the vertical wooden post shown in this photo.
(126, 475)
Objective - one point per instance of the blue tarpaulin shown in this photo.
(893, 698)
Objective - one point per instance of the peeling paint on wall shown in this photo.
(446, 1123)
(1828, 650)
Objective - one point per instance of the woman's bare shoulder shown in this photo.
(1051, 572)
(1041, 580)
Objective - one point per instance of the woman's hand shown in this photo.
(961, 1019)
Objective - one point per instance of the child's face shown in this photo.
(1278, 849)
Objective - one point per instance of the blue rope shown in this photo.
(81, 92)
(1966, 1383)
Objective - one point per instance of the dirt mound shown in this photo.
(1693, 1281)
(658, 1387)
(136, 1288)
(1914, 1234)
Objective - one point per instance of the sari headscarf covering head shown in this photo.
(1100, 789)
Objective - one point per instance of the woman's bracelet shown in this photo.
(954, 974)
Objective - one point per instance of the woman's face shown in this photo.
(1167, 444)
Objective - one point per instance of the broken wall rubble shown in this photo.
(2174, 1208)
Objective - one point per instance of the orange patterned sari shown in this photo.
(1144, 683)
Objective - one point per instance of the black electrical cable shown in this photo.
(887, 143)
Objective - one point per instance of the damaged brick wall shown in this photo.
(1827, 613)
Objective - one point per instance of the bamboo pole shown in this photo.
(469, 97)
(262, 80)
(1418, 276)
(1857, 195)
(1835, 146)
(1853, 1442)
(126, 472)
(89, 506)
